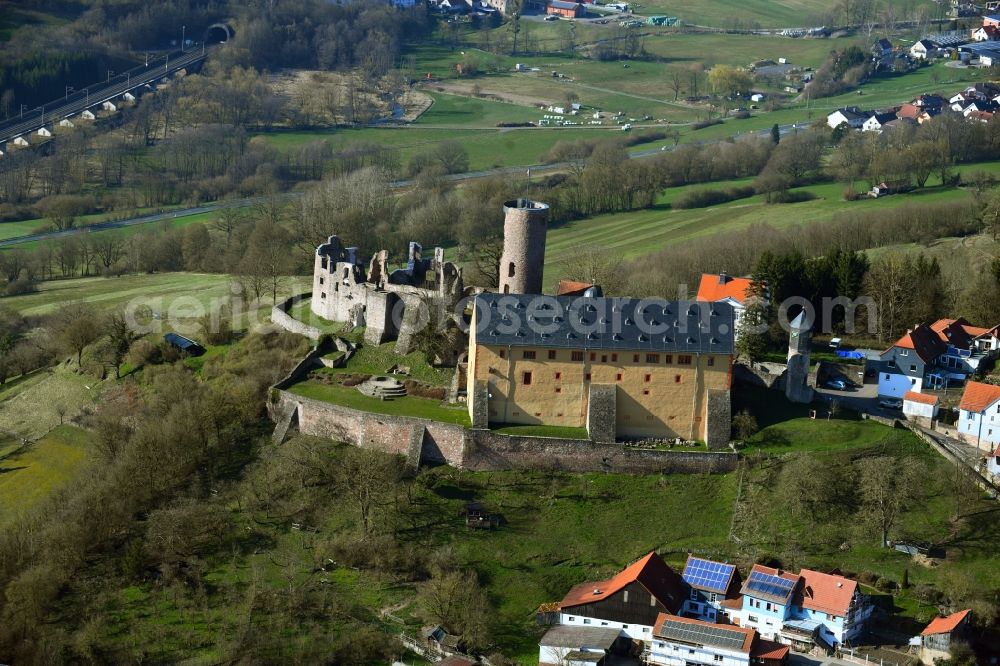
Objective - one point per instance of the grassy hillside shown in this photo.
(557, 530)
(29, 473)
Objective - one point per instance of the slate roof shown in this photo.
(563, 322)
(926, 342)
(562, 4)
(945, 625)
(651, 572)
(569, 636)
(827, 593)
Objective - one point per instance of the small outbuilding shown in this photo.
(564, 8)
(920, 408)
(185, 345)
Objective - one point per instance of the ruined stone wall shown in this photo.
(281, 318)
(483, 450)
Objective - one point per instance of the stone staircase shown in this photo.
(383, 388)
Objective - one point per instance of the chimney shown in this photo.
(597, 590)
(723, 278)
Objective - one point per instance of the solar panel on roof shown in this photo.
(770, 585)
(707, 574)
(700, 634)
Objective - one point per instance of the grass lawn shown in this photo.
(349, 396)
(29, 476)
(562, 432)
(787, 428)
(28, 407)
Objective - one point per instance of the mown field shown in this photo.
(766, 13)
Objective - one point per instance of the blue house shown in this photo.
(804, 610)
(709, 584)
(767, 599)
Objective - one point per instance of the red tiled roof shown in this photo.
(922, 398)
(908, 111)
(978, 396)
(714, 288)
(651, 572)
(763, 649)
(945, 625)
(827, 593)
(749, 634)
(572, 287)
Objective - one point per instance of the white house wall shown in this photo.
(636, 632)
(896, 385)
(975, 428)
(667, 653)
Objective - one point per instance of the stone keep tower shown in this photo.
(797, 387)
(524, 229)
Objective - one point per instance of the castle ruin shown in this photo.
(387, 304)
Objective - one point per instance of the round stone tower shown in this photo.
(524, 229)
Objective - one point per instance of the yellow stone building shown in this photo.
(626, 369)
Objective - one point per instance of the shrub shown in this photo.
(704, 198)
(702, 124)
(851, 194)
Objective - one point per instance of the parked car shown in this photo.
(836, 384)
(835, 343)
(891, 403)
(551, 17)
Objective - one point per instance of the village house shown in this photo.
(709, 584)
(680, 641)
(882, 48)
(979, 415)
(803, 610)
(629, 602)
(852, 117)
(923, 49)
(991, 21)
(993, 462)
(877, 121)
(986, 33)
(941, 634)
(622, 368)
(934, 354)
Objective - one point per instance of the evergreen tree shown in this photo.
(752, 327)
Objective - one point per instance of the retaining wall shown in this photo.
(430, 442)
